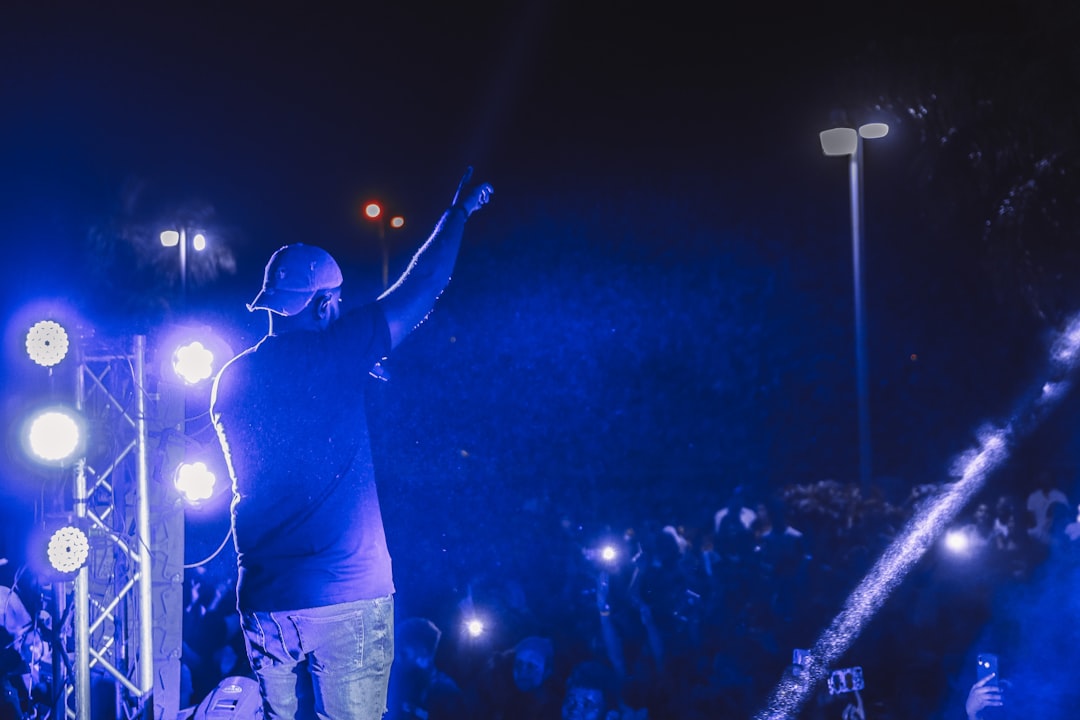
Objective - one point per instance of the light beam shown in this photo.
(969, 472)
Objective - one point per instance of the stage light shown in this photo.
(235, 698)
(54, 435)
(47, 343)
(58, 547)
(193, 362)
(69, 547)
(608, 553)
(397, 222)
(192, 352)
(195, 481)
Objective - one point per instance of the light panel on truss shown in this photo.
(54, 435)
(195, 481)
(69, 547)
(47, 343)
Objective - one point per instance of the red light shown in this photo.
(372, 210)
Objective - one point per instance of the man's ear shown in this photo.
(323, 307)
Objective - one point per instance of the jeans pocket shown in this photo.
(259, 654)
(333, 643)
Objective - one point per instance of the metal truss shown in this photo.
(126, 602)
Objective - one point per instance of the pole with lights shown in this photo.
(173, 238)
(374, 212)
(848, 141)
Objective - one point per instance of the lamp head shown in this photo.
(839, 141)
(872, 131)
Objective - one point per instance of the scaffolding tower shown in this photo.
(124, 640)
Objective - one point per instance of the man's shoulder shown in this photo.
(231, 377)
(365, 330)
(367, 317)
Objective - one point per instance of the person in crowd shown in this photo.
(213, 646)
(419, 690)
(978, 532)
(737, 507)
(782, 557)
(728, 568)
(16, 648)
(1006, 518)
(1016, 552)
(519, 683)
(985, 693)
(592, 693)
(201, 635)
(315, 588)
(1057, 537)
(1039, 501)
(1072, 530)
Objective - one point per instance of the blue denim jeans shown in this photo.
(330, 663)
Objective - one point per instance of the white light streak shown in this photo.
(969, 470)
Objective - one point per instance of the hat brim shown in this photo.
(281, 302)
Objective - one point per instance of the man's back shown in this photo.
(308, 530)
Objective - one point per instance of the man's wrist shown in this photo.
(460, 207)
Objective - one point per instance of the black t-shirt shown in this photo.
(290, 416)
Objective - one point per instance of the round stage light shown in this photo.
(195, 481)
(54, 435)
(68, 549)
(193, 362)
(47, 343)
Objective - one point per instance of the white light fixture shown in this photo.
(872, 131)
(193, 362)
(47, 343)
(54, 435)
(195, 481)
(68, 549)
(839, 141)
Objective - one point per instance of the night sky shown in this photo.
(657, 173)
(658, 301)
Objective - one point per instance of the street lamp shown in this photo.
(374, 211)
(848, 141)
(173, 238)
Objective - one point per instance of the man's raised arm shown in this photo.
(409, 300)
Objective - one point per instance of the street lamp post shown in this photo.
(374, 211)
(173, 238)
(849, 142)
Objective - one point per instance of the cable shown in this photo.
(213, 554)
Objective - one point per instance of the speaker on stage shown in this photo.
(234, 698)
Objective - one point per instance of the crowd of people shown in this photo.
(655, 619)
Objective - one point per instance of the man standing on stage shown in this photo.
(315, 589)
